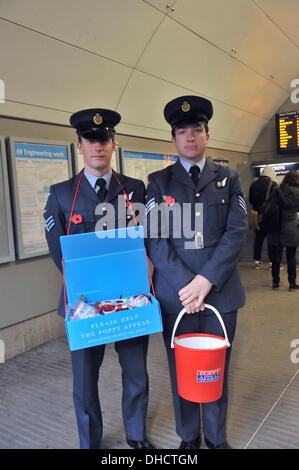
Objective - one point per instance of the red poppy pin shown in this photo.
(169, 200)
(77, 219)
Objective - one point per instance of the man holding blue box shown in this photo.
(202, 268)
(71, 209)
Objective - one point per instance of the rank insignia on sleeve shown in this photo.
(242, 204)
(49, 223)
(149, 205)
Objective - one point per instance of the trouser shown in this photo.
(276, 252)
(260, 236)
(291, 263)
(187, 413)
(86, 364)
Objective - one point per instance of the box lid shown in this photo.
(105, 265)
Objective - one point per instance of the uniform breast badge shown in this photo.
(129, 196)
(221, 184)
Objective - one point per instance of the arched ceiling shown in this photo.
(133, 56)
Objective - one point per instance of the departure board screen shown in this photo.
(287, 132)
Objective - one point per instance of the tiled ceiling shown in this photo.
(134, 56)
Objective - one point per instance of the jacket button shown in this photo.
(197, 194)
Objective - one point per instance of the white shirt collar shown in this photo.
(93, 178)
(187, 165)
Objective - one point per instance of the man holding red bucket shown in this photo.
(203, 268)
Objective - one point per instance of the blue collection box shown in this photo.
(107, 265)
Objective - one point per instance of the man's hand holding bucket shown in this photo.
(193, 294)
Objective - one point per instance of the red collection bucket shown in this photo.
(200, 362)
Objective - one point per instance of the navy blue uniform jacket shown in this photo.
(224, 224)
(58, 210)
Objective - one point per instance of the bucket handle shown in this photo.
(183, 311)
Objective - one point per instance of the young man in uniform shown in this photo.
(188, 276)
(99, 183)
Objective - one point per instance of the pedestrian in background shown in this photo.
(288, 236)
(259, 191)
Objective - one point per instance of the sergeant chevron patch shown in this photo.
(149, 205)
(49, 223)
(242, 204)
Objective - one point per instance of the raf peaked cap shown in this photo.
(188, 109)
(95, 123)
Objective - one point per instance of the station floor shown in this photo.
(36, 408)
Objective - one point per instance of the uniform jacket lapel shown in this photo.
(208, 174)
(180, 174)
(86, 189)
(114, 187)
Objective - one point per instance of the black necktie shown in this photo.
(101, 182)
(194, 170)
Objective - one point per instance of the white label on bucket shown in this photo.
(208, 375)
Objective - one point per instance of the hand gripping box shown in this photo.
(106, 265)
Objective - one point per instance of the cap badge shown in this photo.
(186, 107)
(97, 119)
